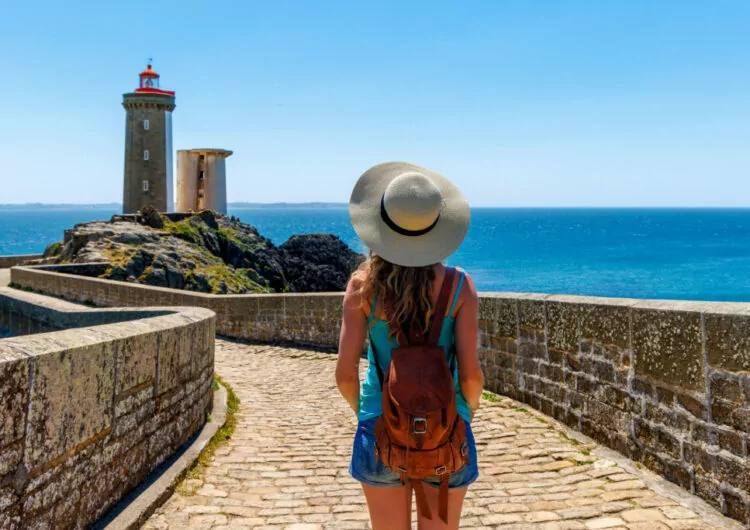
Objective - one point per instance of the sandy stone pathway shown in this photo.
(286, 465)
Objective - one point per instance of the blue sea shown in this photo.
(693, 254)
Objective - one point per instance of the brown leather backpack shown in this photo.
(420, 434)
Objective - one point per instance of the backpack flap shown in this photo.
(419, 380)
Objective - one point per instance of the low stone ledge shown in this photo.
(86, 416)
(7, 262)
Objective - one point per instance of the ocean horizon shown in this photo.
(652, 253)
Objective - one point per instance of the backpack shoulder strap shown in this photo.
(373, 307)
(441, 307)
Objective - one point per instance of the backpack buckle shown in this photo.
(464, 449)
(423, 421)
(440, 470)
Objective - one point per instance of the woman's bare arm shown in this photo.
(470, 375)
(351, 343)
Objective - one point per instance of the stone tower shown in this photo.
(148, 145)
(202, 180)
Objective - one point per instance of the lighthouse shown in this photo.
(148, 145)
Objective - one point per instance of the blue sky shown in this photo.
(521, 103)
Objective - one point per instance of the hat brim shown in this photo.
(409, 251)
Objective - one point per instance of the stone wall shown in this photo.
(665, 383)
(311, 319)
(88, 413)
(7, 262)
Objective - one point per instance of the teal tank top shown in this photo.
(371, 396)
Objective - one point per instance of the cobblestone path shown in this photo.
(286, 465)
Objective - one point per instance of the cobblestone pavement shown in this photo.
(286, 465)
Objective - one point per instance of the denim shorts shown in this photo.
(369, 469)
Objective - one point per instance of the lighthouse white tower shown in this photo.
(148, 145)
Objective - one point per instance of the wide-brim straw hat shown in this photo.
(408, 215)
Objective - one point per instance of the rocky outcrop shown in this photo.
(318, 263)
(206, 252)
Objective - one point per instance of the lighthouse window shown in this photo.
(145, 154)
(145, 124)
(145, 185)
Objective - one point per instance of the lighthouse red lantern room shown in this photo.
(150, 82)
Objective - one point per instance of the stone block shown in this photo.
(501, 313)
(726, 389)
(693, 404)
(708, 488)
(532, 350)
(136, 361)
(736, 506)
(531, 314)
(606, 324)
(14, 390)
(733, 471)
(701, 432)
(562, 326)
(641, 386)
(168, 375)
(678, 473)
(731, 441)
(189, 350)
(728, 341)
(667, 443)
(667, 347)
(72, 399)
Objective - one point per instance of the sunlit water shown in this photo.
(697, 254)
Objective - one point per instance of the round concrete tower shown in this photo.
(148, 145)
(202, 180)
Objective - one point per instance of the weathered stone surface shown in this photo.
(562, 326)
(531, 313)
(500, 314)
(73, 457)
(14, 391)
(667, 347)
(72, 397)
(728, 341)
(136, 359)
(606, 324)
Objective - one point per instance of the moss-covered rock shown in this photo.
(207, 252)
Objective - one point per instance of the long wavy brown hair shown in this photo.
(405, 291)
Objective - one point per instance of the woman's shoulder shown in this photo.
(468, 292)
(355, 292)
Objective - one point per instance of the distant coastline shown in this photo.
(117, 205)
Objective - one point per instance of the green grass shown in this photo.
(569, 439)
(183, 229)
(489, 396)
(220, 438)
(521, 409)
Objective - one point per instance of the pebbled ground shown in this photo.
(286, 465)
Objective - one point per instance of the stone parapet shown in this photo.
(87, 413)
(666, 383)
(7, 262)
